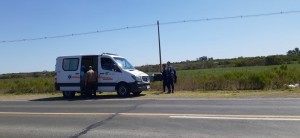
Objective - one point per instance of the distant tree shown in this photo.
(295, 52)
(36, 74)
(204, 58)
(274, 60)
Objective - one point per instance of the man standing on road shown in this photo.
(171, 77)
(82, 80)
(164, 77)
(91, 81)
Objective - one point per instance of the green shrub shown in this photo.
(235, 78)
(28, 85)
(252, 78)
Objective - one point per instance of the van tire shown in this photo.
(68, 94)
(123, 90)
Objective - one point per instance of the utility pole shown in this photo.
(159, 47)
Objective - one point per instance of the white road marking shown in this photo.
(237, 118)
(45, 113)
(175, 116)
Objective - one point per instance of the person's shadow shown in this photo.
(79, 98)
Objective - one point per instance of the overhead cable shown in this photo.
(150, 25)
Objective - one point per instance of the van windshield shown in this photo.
(123, 63)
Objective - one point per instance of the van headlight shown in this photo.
(136, 78)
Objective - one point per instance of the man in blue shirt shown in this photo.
(82, 80)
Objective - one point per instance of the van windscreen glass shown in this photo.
(123, 63)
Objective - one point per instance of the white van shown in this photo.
(115, 73)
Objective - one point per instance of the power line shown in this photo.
(231, 17)
(150, 25)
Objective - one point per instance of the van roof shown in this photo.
(103, 54)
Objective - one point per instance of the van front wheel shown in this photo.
(68, 94)
(123, 90)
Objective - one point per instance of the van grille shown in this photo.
(145, 78)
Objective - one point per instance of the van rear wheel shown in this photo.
(123, 90)
(68, 94)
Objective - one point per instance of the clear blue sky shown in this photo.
(260, 36)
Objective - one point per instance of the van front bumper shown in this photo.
(139, 86)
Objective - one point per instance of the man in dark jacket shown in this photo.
(164, 77)
(171, 77)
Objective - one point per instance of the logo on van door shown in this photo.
(109, 73)
(75, 77)
(106, 78)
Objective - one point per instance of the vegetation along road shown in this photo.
(273, 72)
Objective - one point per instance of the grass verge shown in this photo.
(11, 97)
(289, 93)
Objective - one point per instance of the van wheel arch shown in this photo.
(68, 94)
(137, 93)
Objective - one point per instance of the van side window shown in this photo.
(70, 64)
(107, 64)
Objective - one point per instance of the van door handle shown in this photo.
(77, 73)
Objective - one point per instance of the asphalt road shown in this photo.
(121, 118)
